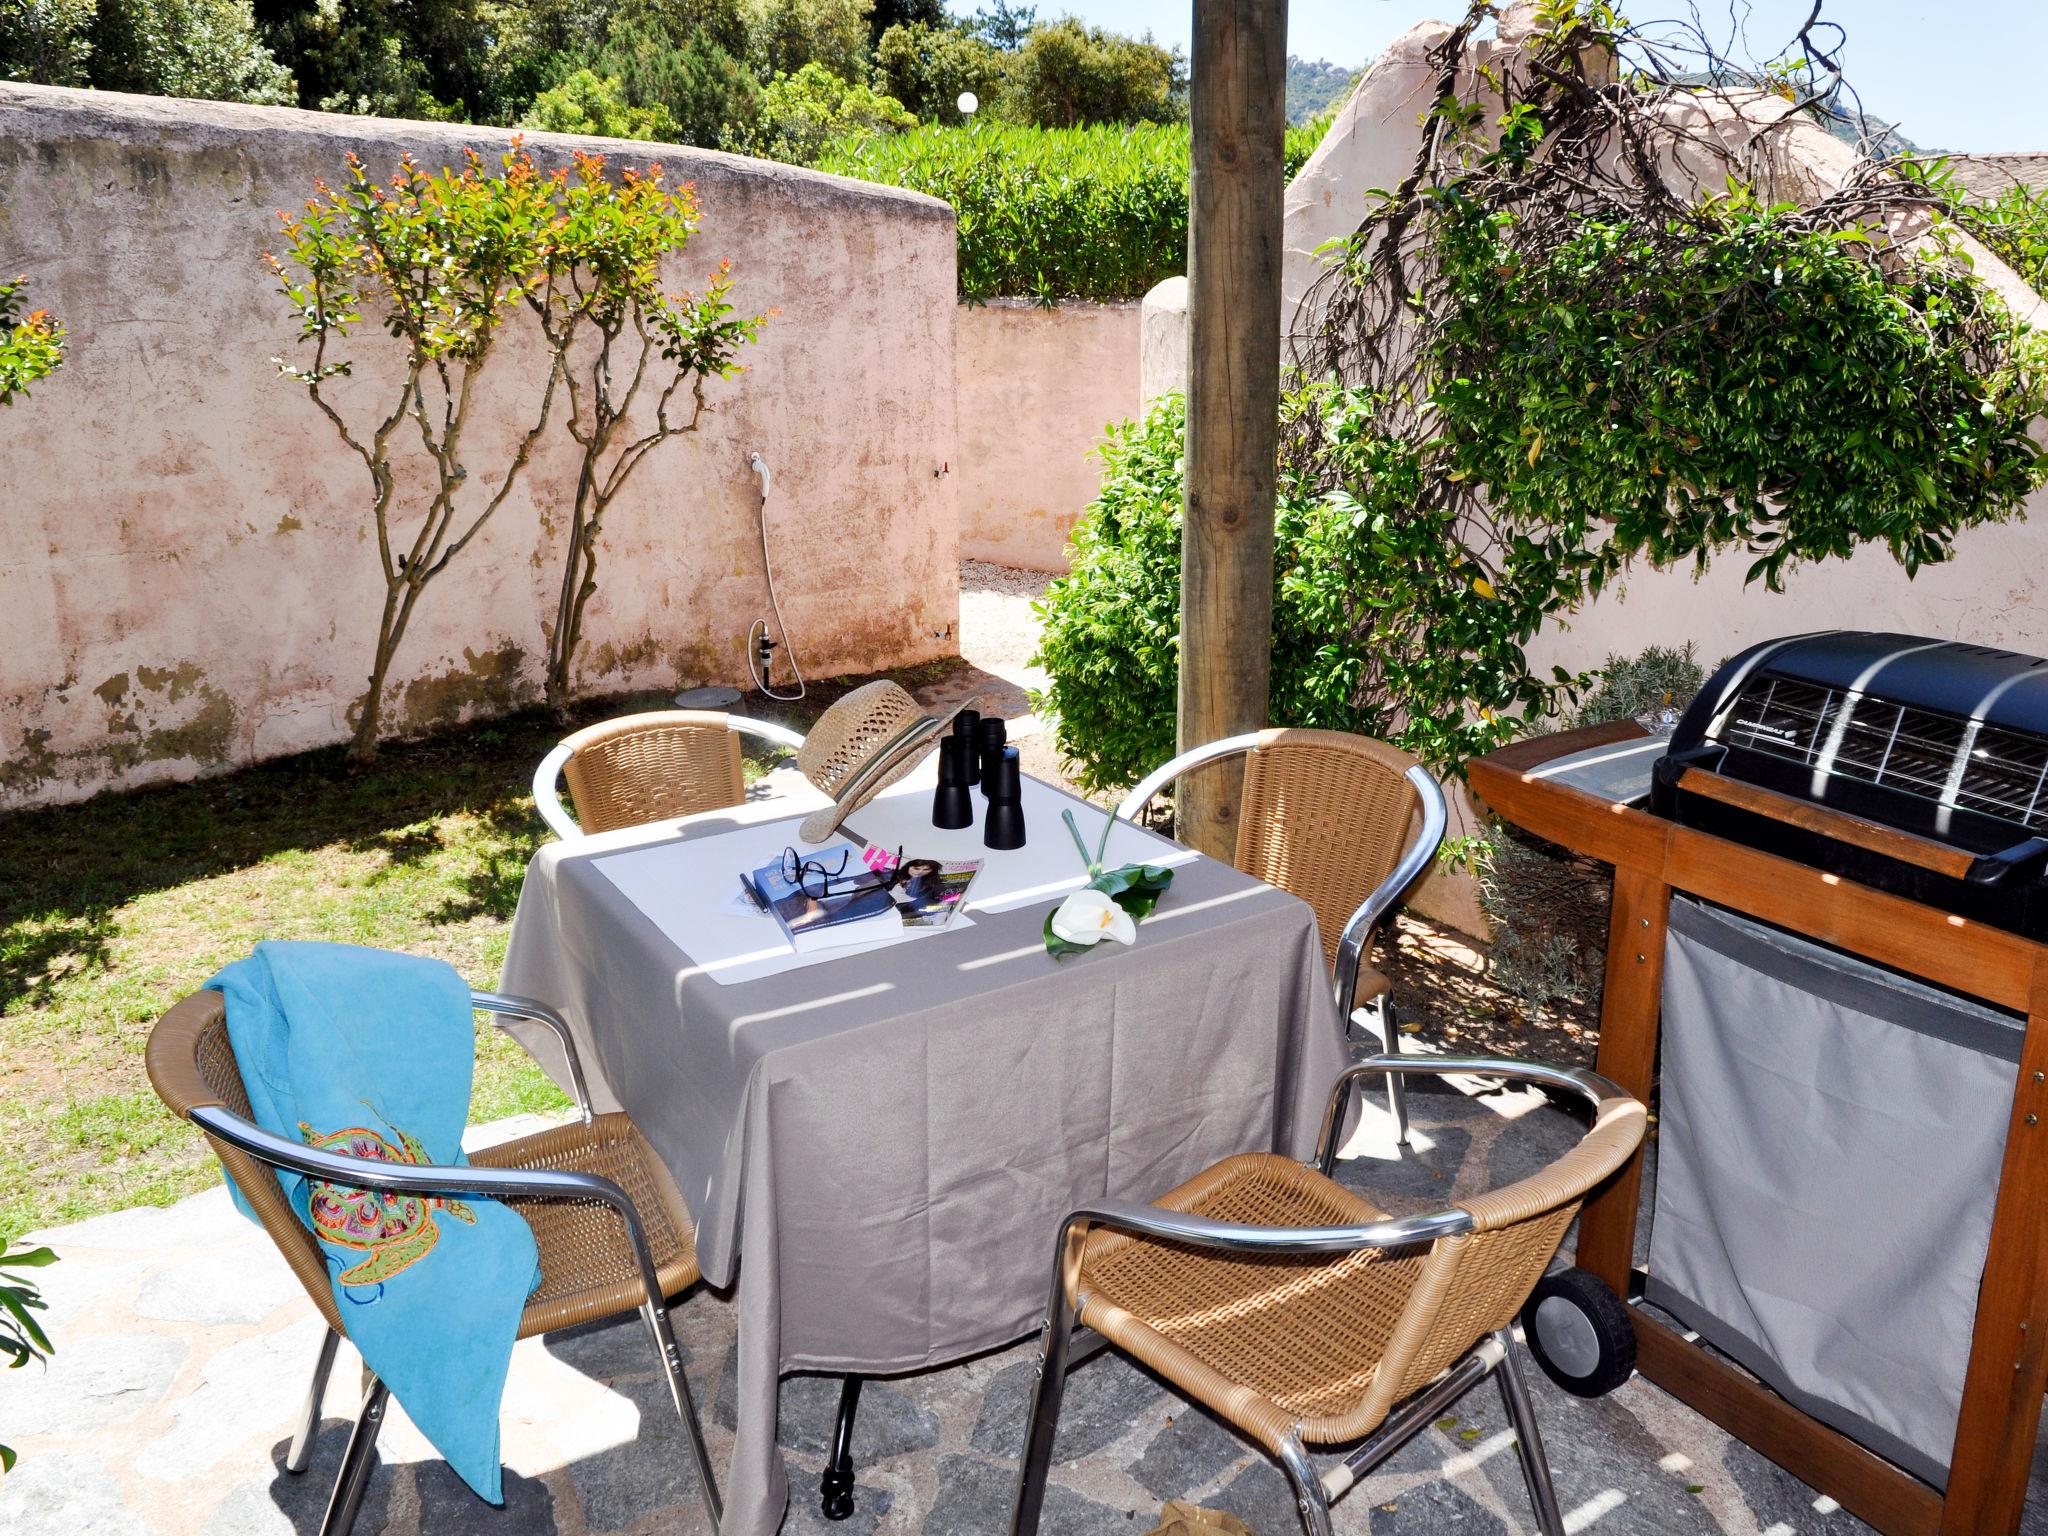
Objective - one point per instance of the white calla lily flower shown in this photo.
(1088, 916)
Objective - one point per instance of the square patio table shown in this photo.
(881, 1144)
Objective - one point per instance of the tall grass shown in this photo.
(1052, 214)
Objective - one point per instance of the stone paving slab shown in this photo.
(184, 1350)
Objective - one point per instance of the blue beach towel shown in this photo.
(368, 1053)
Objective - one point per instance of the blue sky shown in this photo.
(1963, 75)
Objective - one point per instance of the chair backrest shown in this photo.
(642, 768)
(1471, 1285)
(191, 1066)
(1326, 816)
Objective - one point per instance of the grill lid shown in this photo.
(1947, 724)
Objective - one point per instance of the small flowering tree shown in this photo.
(31, 345)
(442, 258)
(643, 345)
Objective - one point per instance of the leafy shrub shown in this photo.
(1632, 687)
(801, 113)
(21, 1337)
(596, 107)
(1052, 214)
(1111, 636)
(2015, 226)
(31, 345)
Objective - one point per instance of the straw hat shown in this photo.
(862, 745)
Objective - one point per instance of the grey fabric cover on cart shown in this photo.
(1828, 1154)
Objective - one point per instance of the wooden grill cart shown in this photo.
(1653, 857)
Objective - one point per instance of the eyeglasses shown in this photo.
(816, 881)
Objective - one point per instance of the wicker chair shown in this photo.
(1302, 1314)
(613, 1231)
(1344, 822)
(648, 767)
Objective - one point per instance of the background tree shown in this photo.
(1315, 86)
(1005, 26)
(46, 41)
(898, 13)
(620, 341)
(442, 258)
(1068, 74)
(927, 67)
(31, 345)
(204, 48)
(785, 35)
(697, 75)
(387, 58)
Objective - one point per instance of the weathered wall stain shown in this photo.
(487, 684)
(183, 531)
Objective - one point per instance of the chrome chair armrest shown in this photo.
(548, 800)
(1412, 866)
(1240, 1237)
(779, 735)
(432, 1178)
(1587, 1085)
(502, 1005)
(1141, 794)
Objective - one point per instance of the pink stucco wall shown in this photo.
(1038, 388)
(187, 578)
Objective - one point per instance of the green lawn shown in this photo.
(112, 910)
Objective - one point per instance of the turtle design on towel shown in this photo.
(395, 1231)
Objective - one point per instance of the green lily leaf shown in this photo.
(1134, 887)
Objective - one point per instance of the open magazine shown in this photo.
(840, 895)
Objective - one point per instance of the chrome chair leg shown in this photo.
(357, 1463)
(1040, 1425)
(1397, 1082)
(1514, 1395)
(1310, 1502)
(301, 1450)
(686, 1407)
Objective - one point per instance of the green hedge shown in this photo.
(1050, 214)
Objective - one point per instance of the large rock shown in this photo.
(49, 1495)
(89, 1384)
(251, 1387)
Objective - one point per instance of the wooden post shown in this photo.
(1235, 209)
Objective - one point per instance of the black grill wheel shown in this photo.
(1580, 1333)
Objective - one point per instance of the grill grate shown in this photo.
(1916, 751)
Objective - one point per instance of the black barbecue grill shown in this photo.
(1932, 755)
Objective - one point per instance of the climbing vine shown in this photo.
(1587, 329)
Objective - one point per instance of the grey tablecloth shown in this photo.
(889, 1140)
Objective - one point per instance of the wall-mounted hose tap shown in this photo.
(760, 648)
